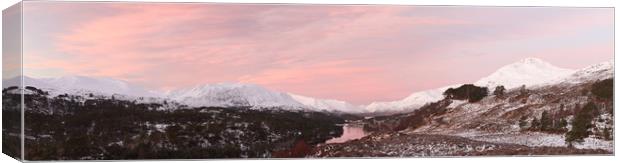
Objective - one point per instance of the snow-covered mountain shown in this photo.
(83, 85)
(222, 94)
(528, 71)
(413, 101)
(28, 81)
(598, 71)
(233, 94)
(327, 104)
(238, 94)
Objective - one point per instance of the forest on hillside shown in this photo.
(67, 127)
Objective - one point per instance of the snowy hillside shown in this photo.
(505, 119)
(233, 94)
(327, 104)
(531, 72)
(411, 102)
(238, 94)
(15, 81)
(83, 85)
(223, 95)
(528, 71)
(536, 117)
(597, 71)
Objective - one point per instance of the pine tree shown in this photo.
(581, 124)
(468, 92)
(561, 124)
(535, 124)
(545, 121)
(523, 90)
(523, 122)
(499, 91)
(606, 134)
(562, 112)
(603, 89)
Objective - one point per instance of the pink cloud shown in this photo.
(341, 77)
(354, 53)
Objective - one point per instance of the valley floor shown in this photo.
(537, 139)
(402, 144)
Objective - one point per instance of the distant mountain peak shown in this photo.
(233, 94)
(82, 84)
(531, 60)
(597, 71)
(528, 71)
(226, 85)
(327, 104)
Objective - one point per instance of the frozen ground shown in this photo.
(429, 145)
(537, 139)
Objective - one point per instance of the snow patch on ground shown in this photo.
(537, 139)
(456, 103)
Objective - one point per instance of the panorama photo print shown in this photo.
(141, 81)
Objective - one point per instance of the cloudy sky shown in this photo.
(355, 53)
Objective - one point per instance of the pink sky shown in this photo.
(356, 53)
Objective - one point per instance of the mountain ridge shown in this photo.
(232, 94)
(520, 71)
(528, 71)
(83, 85)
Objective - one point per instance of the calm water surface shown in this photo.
(350, 132)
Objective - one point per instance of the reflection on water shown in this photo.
(350, 132)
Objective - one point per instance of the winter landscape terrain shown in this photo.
(529, 107)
